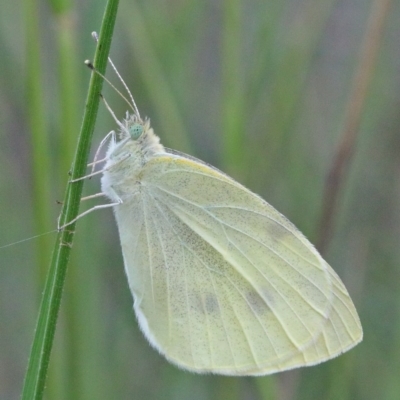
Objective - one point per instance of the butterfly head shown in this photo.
(133, 127)
(139, 134)
(135, 131)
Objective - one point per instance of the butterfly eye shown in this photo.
(135, 131)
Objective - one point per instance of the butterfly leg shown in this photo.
(98, 207)
(92, 196)
(100, 171)
(115, 197)
(87, 176)
(95, 161)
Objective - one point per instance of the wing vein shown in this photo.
(241, 294)
(294, 233)
(255, 315)
(262, 244)
(167, 275)
(149, 249)
(285, 301)
(244, 233)
(187, 305)
(222, 318)
(248, 341)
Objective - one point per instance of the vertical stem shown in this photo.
(44, 334)
(39, 139)
(347, 142)
(232, 93)
(68, 125)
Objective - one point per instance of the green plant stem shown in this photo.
(69, 123)
(232, 113)
(44, 334)
(38, 134)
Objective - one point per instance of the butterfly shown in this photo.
(222, 282)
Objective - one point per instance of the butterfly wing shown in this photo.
(223, 282)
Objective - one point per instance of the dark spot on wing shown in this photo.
(277, 231)
(205, 304)
(257, 303)
(211, 303)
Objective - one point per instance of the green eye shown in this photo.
(135, 131)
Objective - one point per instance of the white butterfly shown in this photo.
(221, 281)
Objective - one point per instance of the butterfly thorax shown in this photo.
(127, 156)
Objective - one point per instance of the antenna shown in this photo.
(29, 238)
(113, 115)
(134, 106)
(89, 64)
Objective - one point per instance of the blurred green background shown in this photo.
(258, 88)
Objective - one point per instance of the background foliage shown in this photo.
(260, 89)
